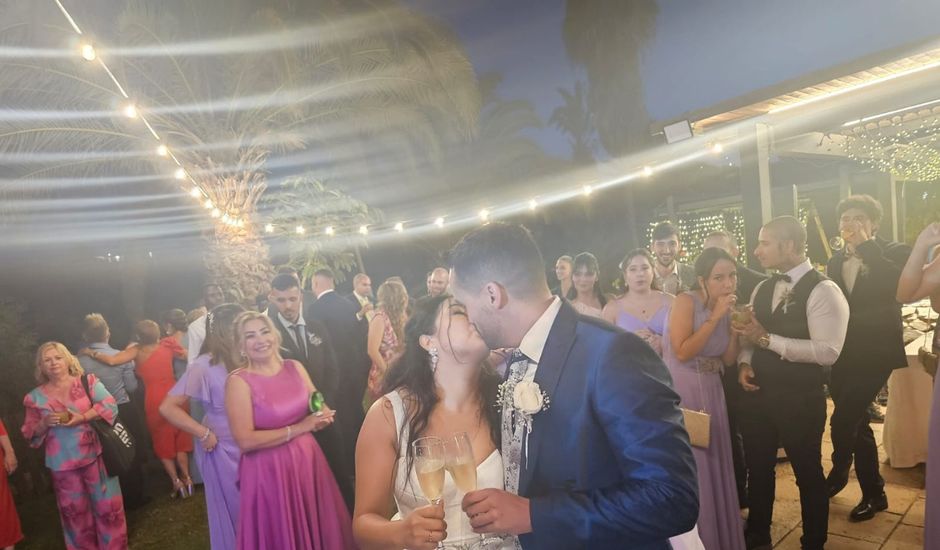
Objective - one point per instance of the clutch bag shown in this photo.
(698, 424)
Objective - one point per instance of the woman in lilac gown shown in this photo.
(289, 498)
(697, 344)
(217, 454)
(642, 309)
(920, 279)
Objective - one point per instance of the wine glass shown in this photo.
(837, 243)
(463, 468)
(429, 461)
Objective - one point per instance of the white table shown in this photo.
(910, 392)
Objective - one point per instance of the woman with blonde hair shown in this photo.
(289, 498)
(58, 413)
(386, 333)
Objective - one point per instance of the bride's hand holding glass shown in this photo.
(424, 528)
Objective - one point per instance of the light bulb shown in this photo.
(300, 230)
(208, 204)
(329, 231)
(717, 147)
(195, 193)
(399, 227)
(130, 110)
(647, 171)
(363, 230)
(162, 150)
(439, 222)
(88, 52)
(216, 212)
(179, 174)
(484, 214)
(269, 228)
(533, 204)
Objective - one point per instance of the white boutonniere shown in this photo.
(525, 399)
(787, 299)
(314, 340)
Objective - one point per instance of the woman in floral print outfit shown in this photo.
(58, 413)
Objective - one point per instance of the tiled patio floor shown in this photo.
(901, 527)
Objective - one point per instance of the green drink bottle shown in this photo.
(316, 402)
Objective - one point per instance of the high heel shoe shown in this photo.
(178, 489)
(189, 487)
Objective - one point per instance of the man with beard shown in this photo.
(673, 277)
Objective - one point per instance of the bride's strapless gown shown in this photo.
(408, 495)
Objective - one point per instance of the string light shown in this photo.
(647, 171)
(216, 213)
(399, 227)
(300, 230)
(717, 148)
(439, 222)
(208, 204)
(130, 110)
(329, 231)
(195, 193)
(587, 190)
(533, 204)
(269, 228)
(363, 230)
(88, 52)
(484, 215)
(898, 148)
(179, 174)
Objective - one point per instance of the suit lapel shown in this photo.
(287, 341)
(554, 358)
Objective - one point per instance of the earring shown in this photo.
(433, 353)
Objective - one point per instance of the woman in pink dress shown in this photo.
(58, 413)
(385, 334)
(921, 279)
(10, 532)
(289, 499)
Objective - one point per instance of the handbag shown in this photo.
(698, 423)
(117, 444)
(699, 426)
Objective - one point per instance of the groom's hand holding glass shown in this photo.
(498, 512)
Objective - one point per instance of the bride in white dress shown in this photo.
(439, 387)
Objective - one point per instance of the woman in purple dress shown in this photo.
(217, 453)
(642, 309)
(289, 498)
(697, 345)
(921, 279)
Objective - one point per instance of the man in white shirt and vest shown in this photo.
(797, 329)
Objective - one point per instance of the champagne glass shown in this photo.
(429, 461)
(463, 468)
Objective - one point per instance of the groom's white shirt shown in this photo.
(533, 343)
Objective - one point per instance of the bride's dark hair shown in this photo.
(412, 373)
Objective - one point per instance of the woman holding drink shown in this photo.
(288, 497)
(697, 346)
(58, 416)
(432, 438)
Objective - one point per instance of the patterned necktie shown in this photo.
(513, 431)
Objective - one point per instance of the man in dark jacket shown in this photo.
(867, 270)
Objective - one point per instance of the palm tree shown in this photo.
(574, 118)
(320, 224)
(606, 38)
(366, 74)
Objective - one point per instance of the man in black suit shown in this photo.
(362, 296)
(349, 332)
(309, 344)
(867, 270)
(748, 279)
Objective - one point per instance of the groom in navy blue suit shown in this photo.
(607, 462)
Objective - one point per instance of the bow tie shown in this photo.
(781, 277)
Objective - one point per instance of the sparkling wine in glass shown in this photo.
(460, 462)
(429, 463)
(463, 468)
